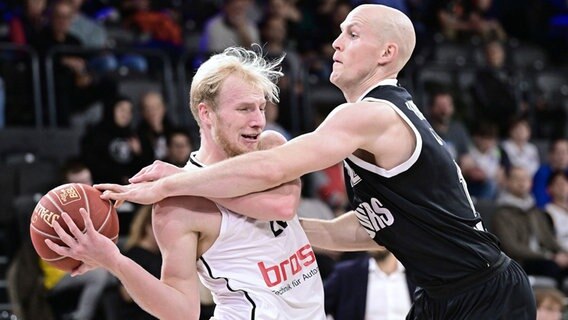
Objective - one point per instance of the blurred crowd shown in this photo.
(488, 74)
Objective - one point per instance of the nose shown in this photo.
(258, 119)
(337, 43)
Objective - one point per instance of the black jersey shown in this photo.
(420, 210)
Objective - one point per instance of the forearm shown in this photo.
(340, 234)
(153, 295)
(280, 203)
(227, 179)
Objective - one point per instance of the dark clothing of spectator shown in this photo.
(151, 262)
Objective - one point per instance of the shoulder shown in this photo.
(184, 214)
(270, 139)
(364, 111)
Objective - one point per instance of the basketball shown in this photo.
(70, 198)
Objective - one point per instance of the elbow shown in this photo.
(286, 211)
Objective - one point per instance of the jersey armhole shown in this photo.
(401, 167)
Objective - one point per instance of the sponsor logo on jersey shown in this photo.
(373, 216)
(276, 274)
(353, 177)
(278, 227)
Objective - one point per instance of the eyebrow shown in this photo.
(349, 25)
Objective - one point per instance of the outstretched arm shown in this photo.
(346, 129)
(343, 233)
(175, 296)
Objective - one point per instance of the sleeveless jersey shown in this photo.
(261, 269)
(420, 210)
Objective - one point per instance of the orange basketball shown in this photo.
(70, 198)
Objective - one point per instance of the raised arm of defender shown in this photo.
(363, 125)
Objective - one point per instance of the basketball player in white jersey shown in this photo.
(255, 269)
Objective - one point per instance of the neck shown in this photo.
(388, 265)
(209, 152)
(352, 95)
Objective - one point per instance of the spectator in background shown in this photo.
(525, 232)
(143, 249)
(111, 149)
(483, 168)
(153, 128)
(288, 11)
(159, 28)
(271, 112)
(273, 30)
(494, 90)
(557, 209)
(557, 161)
(466, 19)
(94, 35)
(90, 33)
(24, 29)
(520, 151)
(453, 132)
(231, 27)
(75, 87)
(550, 303)
(372, 286)
(179, 147)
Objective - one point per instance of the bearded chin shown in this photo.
(228, 148)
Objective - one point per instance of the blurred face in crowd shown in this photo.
(83, 176)
(549, 310)
(442, 108)
(484, 143)
(558, 157)
(274, 30)
(61, 18)
(558, 189)
(35, 8)
(238, 119)
(520, 132)
(519, 182)
(236, 7)
(153, 109)
(495, 54)
(179, 148)
(123, 113)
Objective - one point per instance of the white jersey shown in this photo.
(261, 269)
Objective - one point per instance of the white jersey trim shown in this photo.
(401, 167)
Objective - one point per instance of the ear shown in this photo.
(388, 53)
(204, 112)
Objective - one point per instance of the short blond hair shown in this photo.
(249, 65)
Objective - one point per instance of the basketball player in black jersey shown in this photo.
(408, 194)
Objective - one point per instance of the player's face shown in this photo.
(356, 50)
(239, 118)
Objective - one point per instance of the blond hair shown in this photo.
(251, 67)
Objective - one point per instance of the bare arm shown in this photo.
(348, 128)
(278, 203)
(343, 233)
(176, 296)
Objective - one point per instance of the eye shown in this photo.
(353, 35)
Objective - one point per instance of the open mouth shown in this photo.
(250, 137)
